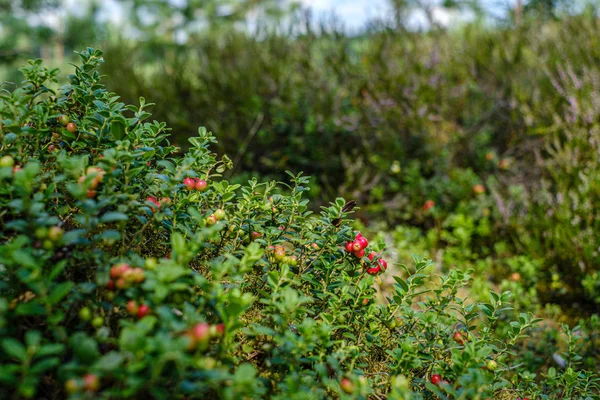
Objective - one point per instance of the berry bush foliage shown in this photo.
(129, 270)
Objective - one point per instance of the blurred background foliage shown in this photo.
(494, 118)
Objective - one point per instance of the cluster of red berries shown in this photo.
(123, 276)
(139, 310)
(95, 176)
(279, 255)
(195, 184)
(158, 204)
(358, 246)
(200, 334)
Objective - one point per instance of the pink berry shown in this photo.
(143, 310)
(383, 264)
(201, 185)
(350, 247)
(189, 183)
(362, 241)
(373, 270)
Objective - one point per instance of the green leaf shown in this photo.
(113, 216)
(110, 361)
(60, 291)
(14, 349)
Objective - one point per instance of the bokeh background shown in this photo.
(468, 131)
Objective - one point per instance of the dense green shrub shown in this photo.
(395, 118)
(130, 273)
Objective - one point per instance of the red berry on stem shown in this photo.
(189, 183)
(429, 204)
(143, 311)
(201, 332)
(350, 247)
(436, 379)
(359, 253)
(201, 185)
(373, 270)
(255, 235)
(383, 264)
(91, 383)
(347, 386)
(71, 127)
(362, 241)
(132, 307)
(458, 337)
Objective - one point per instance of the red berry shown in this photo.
(132, 307)
(255, 235)
(121, 283)
(458, 337)
(478, 189)
(71, 127)
(373, 270)
(143, 310)
(436, 379)
(358, 234)
(347, 386)
(362, 241)
(201, 332)
(211, 220)
(429, 204)
(91, 383)
(110, 285)
(350, 247)
(90, 194)
(154, 201)
(221, 329)
(372, 256)
(201, 185)
(116, 271)
(189, 183)
(356, 246)
(51, 148)
(359, 253)
(383, 264)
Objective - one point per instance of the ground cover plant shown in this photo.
(132, 270)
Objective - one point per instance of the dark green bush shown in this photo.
(123, 276)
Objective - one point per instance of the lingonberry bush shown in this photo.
(131, 271)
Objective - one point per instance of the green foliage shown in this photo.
(119, 281)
